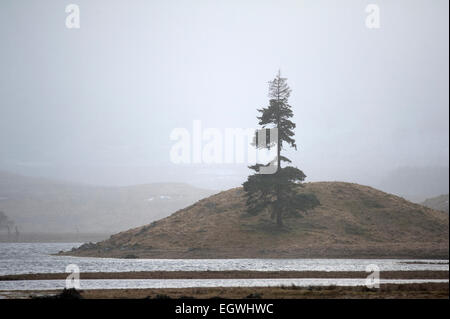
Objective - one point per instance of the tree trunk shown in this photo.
(278, 212)
(278, 152)
(278, 125)
(279, 219)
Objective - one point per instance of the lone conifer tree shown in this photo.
(278, 193)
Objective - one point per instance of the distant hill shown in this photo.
(41, 205)
(438, 203)
(416, 183)
(352, 221)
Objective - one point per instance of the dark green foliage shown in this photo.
(277, 193)
(130, 256)
(67, 294)
(162, 296)
(254, 296)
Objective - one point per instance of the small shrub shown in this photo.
(162, 296)
(130, 256)
(71, 293)
(254, 296)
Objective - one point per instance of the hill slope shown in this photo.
(41, 205)
(352, 221)
(438, 203)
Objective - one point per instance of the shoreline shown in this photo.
(172, 255)
(314, 253)
(235, 274)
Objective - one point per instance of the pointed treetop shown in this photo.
(279, 89)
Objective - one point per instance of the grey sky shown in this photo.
(97, 104)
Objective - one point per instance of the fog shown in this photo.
(97, 104)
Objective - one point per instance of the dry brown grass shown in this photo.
(352, 221)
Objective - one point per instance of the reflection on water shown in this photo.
(20, 258)
(191, 283)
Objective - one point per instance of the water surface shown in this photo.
(23, 258)
(196, 283)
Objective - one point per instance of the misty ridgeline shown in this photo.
(277, 192)
(7, 224)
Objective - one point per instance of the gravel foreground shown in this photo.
(386, 291)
